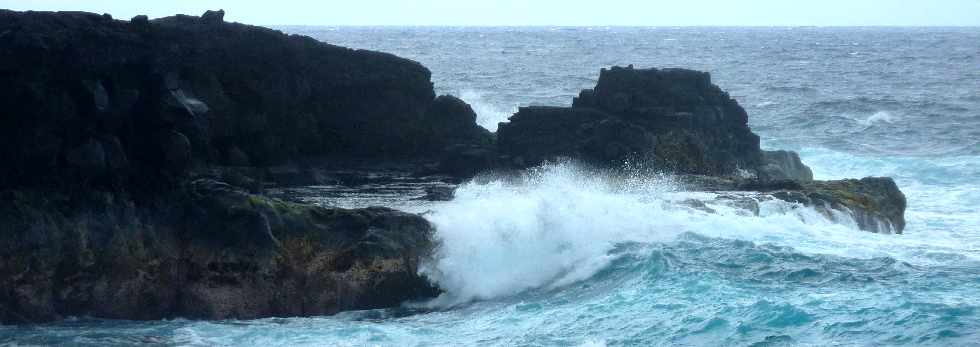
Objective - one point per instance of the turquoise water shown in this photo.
(566, 256)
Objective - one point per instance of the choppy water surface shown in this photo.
(570, 257)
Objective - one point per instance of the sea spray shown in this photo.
(488, 114)
(557, 225)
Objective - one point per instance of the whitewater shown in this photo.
(572, 256)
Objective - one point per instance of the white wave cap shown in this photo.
(560, 224)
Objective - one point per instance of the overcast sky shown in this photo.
(545, 12)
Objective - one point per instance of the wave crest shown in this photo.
(559, 224)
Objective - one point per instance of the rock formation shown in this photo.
(209, 251)
(875, 203)
(675, 118)
(112, 133)
(683, 124)
(135, 153)
(163, 97)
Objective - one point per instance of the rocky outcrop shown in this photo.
(683, 124)
(118, 136)
(875, 204)
(674, 117)
(210, 251)
(159, 98)
(783, 165)
(472, 150)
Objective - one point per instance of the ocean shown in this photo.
(571, 257)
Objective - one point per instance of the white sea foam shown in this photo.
(559, 225)
(879, 117)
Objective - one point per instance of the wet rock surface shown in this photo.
(210, 251)
(875, 203)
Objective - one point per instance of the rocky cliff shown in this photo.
(111, 132)
(134, 103)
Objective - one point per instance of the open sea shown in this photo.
(569, 257)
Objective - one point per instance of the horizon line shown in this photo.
(612, 26)
(404, 25)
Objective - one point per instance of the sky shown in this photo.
(545, 12)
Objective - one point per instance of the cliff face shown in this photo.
(110, 100)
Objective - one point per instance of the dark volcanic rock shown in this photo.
(238, 93)
(783, 165)
(682, 123)
(467, 160)
(213, 17)
(875, 203)
(471, 149)
(674, 117)
(537, 134)
(215, 252)
(107, 128)
(105, 124)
